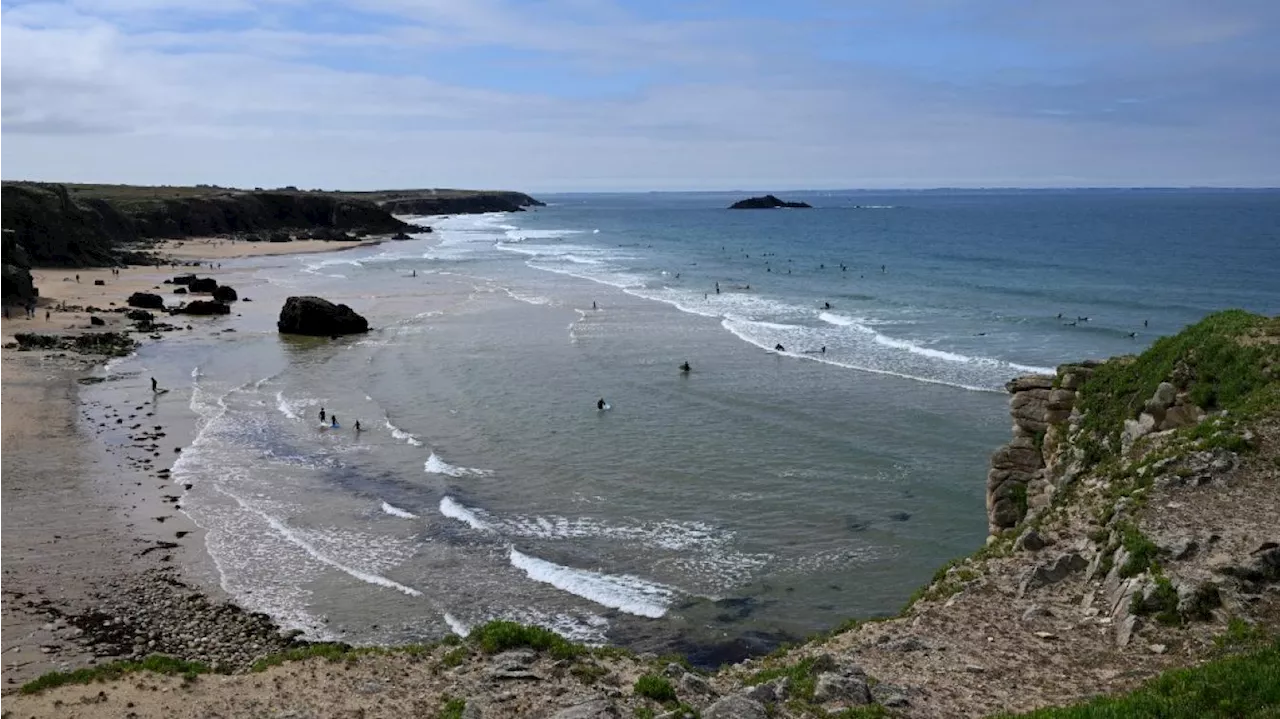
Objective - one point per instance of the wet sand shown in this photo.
(89, 512)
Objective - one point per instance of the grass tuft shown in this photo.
(655, 687)
(158, 663)
(498, 636)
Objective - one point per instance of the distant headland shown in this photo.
(768, 202)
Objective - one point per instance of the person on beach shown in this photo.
(600, 404)
(155, 386)
(322, 415)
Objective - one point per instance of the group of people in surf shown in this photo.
(333, 421)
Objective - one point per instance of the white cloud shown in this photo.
(91, 93)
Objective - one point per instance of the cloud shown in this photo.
(588, 94)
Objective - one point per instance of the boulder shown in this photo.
(99, 282)
(1164, 396)
(97, 321)
(183, 279)
(224, 293)
(846, 690)
(203, 284)
(400, 236)
(146, 300)
(1031, 541)
(1052, 572)
(140, 316)
(768, 202)
(771, 692)
(180, 291)
(319, 318)
(735, 706)
(203, 307)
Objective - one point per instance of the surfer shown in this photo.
(333, 421)
(717, 288)
(1133, 335)
(415, 273)
(779, 347)
(593, 305)
(600, 404)
(155, 387)
(1144, 323)
(826, 305)
(358, 430)
(322, 415)
(824, 349)
(685, 367)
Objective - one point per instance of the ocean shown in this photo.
(824, 455)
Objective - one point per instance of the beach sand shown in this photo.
(86, 500)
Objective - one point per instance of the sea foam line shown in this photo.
(401, 434)
(397, 512)
(471, 517)
(623, 592)
(315, 554)
(435, 465)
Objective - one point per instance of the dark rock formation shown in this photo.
(180, 291)
(146, 300)
(319, 317)
(400, 236)
(768, 202)
(140, 316)
(18, 286)
(97, 321)
(224, 293)
(202, 307)
(58, 231)
(182, 280)
(203, 284)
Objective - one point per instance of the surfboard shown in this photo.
(605, 408)
(159, 391)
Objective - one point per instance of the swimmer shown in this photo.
(779, 347)
(685, 367)
(322, 414)
(358, 430)
(600, 403)
(333, 421)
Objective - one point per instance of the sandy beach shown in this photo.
(91, 526)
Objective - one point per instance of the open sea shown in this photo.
(824, 456)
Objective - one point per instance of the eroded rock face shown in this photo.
(203, 307)
(224, 293)
(319, 317)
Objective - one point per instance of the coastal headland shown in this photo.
(1132, 519)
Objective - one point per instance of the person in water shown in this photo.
(358, 426)
(333, 421)
(593, 305)
(155, 387)
(826, 305)
(685, 367)
(600, 403)
(779, 347)
(322, 414)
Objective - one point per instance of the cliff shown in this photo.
(92, 225)
(1134, 531)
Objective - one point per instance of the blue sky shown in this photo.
(618, 95)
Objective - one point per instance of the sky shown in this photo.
(618, 95)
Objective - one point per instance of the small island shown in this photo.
(768, 202)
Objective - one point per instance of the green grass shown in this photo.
(1221, 372)
(801, 674)
(498, 636)
(588, 672)
(333, 651)
(1164, 603)
(453, 708)
(1241, 636)
(455, 657)
(871, 711)
(1142, 551)
(644, 713)
(655, 687)
(1239, 687)
(157, 663)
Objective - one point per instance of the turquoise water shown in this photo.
(760, 497)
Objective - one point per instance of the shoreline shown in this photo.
(106, 564)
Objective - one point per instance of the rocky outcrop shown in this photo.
(1041, 407)
(202, 284)
(319, 318)
(225, 293)
(18, 286)
(146, 300)
(1167, 409)
(768, 202)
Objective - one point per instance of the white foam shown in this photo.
(315, 554)
(471, 517)
(435, 465)
(401, 434)
(623, 592)
(284, 407)
(456, 626)
(397, 512)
